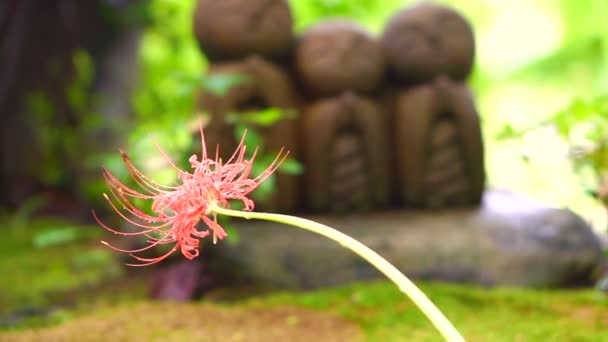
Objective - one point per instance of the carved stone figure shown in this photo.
(265, 85)
(337, 55)
(351, 149)
(234, 29)
(439, 150)
(428, 40)
(344, 145)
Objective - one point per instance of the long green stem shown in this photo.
(405, 285)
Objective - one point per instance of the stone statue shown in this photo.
(439, 151)
(436, 130)
(343, 131)
(421, 146)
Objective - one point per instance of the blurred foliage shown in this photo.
(61, 140)
(577, 70)
(584, 125)
(171, 68)
(582, 49)
(42, 259)
(173, 71)
(534, 59)
(369, 13)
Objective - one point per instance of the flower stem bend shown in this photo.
(406, 286)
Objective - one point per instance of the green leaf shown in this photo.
(265, 189)
(584, 50)
(508, 132)
(265, 117)
(226, 223)
(55, 237)
(236, 205)
(291, 167)
(39, 104)
(77, 92)
(92, 258)
(253, 139)
(84, 66)
(220, 84)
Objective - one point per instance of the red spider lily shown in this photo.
(178, 209)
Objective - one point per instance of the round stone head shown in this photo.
(233, 29)
(337, 55)
(427, 40)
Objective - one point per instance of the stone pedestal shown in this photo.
(510, 240)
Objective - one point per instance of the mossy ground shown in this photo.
(480, 314)
(46, 258)
(99, 294)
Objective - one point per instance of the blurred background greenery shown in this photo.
(539, 64)
(131, 69)
(80, 79)
(540, 81)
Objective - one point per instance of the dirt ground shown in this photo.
(172, 321)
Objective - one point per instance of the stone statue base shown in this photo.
(509, 240)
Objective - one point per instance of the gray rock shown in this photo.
(510, 240)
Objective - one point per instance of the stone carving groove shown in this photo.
(350, 182)
(345, 154)
(439, 160)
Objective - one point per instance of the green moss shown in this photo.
(75, 264)
(481, 314)
(42, 259)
